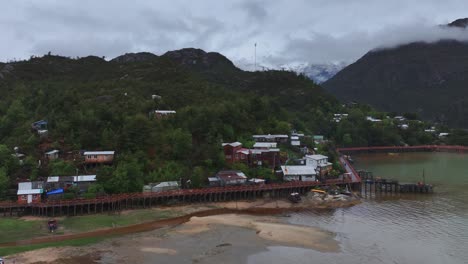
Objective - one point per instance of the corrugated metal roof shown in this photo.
(256, 180)
(270, 136)
(298, 170)
(30, 191)
(52, 152)
(231, 175)
(244, 151)
(295, 143)
(316, 157)
(85, 178)
(99, 153)
(164, 112)
(167, 184)
(53, 179)
(233, 144)
(79, 178)
(24, 185)
(265, 145)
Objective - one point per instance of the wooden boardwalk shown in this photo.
(458, 149)
(377, 185)
(119, 202)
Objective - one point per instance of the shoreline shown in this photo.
(257, 207)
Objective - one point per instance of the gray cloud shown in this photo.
(287, 31)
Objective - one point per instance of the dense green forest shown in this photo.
(94, 104)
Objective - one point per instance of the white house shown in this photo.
(265, 145)
(319, 161)
(370, 118)
(29, 192)
(299, 173)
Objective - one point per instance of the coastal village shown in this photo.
(290, 158)
(268, 151)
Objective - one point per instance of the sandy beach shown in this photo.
(242, 228)
(212, 239)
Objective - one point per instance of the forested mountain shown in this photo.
(94, 104)
(430, 79)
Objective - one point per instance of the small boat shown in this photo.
(318, 191)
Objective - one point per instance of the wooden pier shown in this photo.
(377, 185)
(397, 149)
(116, 203)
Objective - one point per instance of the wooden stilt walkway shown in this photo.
(115, 203)
(371, 184)
(457, 149)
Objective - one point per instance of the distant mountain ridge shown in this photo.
(428, 78)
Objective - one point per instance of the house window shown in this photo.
(24, 197)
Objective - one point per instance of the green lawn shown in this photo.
(13, 229)
(92, 222)
(75, 243)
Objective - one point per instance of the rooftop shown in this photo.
(231, 175)
(233, 144)
(99, 153)
(316, 157)
(270, 136)
(265, 145)
(167, 184)
(52, 152)
(298, 170)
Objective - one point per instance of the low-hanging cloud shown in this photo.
(322, 48)
(286, 31)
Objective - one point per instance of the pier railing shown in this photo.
(462, 149)
(143, 200)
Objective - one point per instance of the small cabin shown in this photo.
(162, 186)
(65, 182)
(99, 157)
(52, 155)
(39, 125)
(320, 162)
(264, 145)
(233, 152)
(299, 173)
(231, 177)
(271, 138)
(163, 113)
(29, 192)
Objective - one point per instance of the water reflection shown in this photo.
(396, 228)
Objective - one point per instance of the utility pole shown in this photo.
(255, 56)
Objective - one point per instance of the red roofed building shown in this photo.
(231, 177)
(233, 152)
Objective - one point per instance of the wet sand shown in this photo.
(218, 233)
(213, 239)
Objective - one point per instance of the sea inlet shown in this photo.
(394, 228)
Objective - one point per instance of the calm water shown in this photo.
(396, 228)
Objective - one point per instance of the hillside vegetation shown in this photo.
(94, 104)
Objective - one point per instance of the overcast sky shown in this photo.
(286, 31)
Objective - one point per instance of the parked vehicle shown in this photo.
(294, 197)
(1, 261)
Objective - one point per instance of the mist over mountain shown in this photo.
(429, 78)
